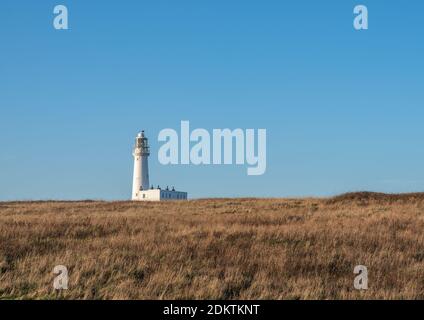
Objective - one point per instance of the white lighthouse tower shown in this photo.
(140, 189)
(141, 165)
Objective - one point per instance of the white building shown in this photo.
(140, 189)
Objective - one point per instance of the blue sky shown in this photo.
(343, 109)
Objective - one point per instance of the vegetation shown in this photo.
(215, 248)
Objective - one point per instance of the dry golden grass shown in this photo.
(215, 249)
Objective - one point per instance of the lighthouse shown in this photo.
(141, 165)
(140, 187)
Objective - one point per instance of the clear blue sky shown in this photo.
(343, 109)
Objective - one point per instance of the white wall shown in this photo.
(160, 195)
(173, 195)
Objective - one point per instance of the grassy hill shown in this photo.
(215, 248)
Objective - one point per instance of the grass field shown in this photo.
(215, 249)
